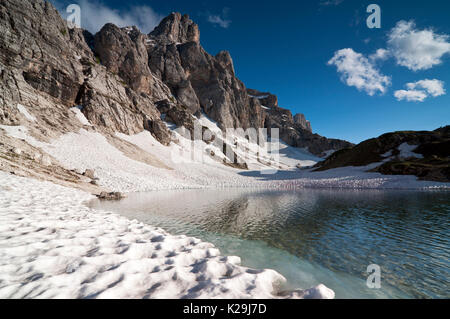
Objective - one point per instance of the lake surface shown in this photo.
(316, 236)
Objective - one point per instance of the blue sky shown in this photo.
(284, 47)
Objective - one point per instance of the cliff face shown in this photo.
(125, 81)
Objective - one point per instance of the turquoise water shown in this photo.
(316, 236)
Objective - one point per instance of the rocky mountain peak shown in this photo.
(225, 60)
(300, 119)
(177, 28)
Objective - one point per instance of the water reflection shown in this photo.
(317, 236)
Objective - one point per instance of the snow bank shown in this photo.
(80, 116)
(52, 246)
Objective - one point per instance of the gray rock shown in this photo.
(159, 130)
(300, 119)
(125, 57)
(111, 196)
(177, 29)
(90, 173)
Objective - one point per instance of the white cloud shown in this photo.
(220, 20)
(421, 90)
(95, 14)
(417, 49)
(410, 95)
(358, 71)
(380, 54)
(432, 87)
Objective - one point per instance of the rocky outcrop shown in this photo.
(123, 52)
(177, 29)
(113, 196)
(49, 68)
(428, 158)
(35, 54)
(295, 131)
(165, 63)
(300, 119)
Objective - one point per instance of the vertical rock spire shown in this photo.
(177, 28)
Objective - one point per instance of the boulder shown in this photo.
(113, 196)
(159, 130)
(90, 173)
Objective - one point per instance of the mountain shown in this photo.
(124, 81)
(423, 154)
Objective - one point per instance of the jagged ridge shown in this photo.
(122, 77)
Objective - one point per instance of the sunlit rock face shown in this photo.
(119, 76)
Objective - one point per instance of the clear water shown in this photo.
(316, 236)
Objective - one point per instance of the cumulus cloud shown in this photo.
(380, 55)
(95, 14)
(358, 71)
(417, 49)
(410, 95)
(433, 87)
(421, 90)
(220, 20)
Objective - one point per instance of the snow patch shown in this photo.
(388, 154)
(21, 133)
(406, 151)
(80, 116)
(329, 153)
(259, 97)
(22, 109)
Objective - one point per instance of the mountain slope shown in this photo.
(423, 154)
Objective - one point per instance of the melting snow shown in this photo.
(406, 151)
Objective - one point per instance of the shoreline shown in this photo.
(52, 246)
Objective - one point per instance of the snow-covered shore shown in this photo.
(53, 246)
